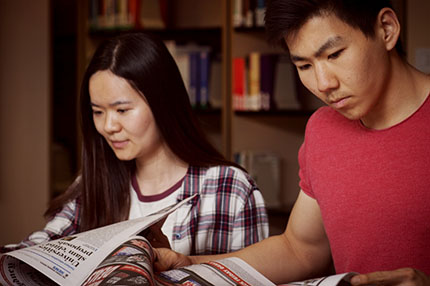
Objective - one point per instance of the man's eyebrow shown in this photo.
(330, 43)
(116, 103)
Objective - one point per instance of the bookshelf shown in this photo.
(277, 132)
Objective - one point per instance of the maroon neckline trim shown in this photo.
(154, 198)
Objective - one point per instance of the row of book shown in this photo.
(264, 81)
(201, 74)
(127, 14)
(249, 13)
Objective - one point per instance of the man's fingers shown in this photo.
(166, 259)
(395, 277)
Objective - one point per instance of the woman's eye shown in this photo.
(97, 112)
(304, 67)
(122, 110)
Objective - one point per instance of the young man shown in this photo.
(364, 164)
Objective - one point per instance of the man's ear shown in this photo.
(388, 27)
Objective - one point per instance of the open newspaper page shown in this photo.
(128, 264)
(227, 271)
(333, 280)
(132, 264)
(69, 260)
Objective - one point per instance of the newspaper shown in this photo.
(119, 254)
(131, 264)
(333, 280)
(70, 260)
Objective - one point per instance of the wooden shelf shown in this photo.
(250, 29)
(207, 111)
(167, 31)
(287, 112)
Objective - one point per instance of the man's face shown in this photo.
(340, 65)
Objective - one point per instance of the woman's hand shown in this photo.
(400, 277)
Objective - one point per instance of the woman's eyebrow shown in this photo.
(116, 103)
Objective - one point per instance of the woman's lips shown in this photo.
(119, 144)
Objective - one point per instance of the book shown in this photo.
(194, 85)
(265, 168)
(285, 90)
(181, 55)
(112, 14)
(260, 10)
(152, 14)
(109, 14)
(268, 64)
(215, 78)
(237, 14)
(253, 101)
(122, 15)
(239, 83)
(194, 64)
(248, 13)
(204, 68)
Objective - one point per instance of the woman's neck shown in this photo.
(159, 172)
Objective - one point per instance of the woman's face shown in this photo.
(122, 117)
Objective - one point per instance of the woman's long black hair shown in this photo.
(145, 62)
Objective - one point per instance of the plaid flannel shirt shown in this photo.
(227, 214)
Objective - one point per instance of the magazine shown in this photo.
(119, 254)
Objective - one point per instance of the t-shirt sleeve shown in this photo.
(63, 223)
(305, 156)
(304, 179)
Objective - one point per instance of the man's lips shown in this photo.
(340, 102)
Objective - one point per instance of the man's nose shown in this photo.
(326, 80)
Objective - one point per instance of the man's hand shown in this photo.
(166, 259)
(400, 277)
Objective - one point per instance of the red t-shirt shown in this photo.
(373, 189)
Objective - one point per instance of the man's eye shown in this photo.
(335, 55)
(122, 110)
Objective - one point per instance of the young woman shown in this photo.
(143, 150)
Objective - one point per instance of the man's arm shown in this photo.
(301, 252)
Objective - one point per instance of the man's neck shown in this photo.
(406, 91)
